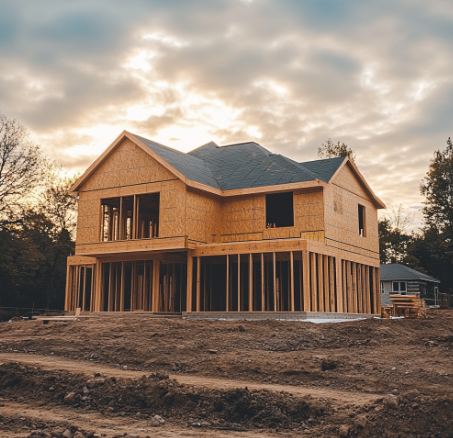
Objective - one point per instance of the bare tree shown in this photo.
(21, 164)
(329, 149)
(57, 204)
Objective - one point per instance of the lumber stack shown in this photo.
(409, 306)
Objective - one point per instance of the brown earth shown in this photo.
(228, 378)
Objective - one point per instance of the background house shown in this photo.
(400, 279)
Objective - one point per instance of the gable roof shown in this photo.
(396, 271)
(234, 169)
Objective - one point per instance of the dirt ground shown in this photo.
(169, 377)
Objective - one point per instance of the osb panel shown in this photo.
(127, 165)
(172, 220)
(347, 180)
(203, 216)
(342, 223)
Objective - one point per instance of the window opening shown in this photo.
(148, 216)
(126, 218)
(361, 220)
(399, 287)
(279, 210)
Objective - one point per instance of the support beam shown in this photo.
(198, 299)
(227, 283)
(251, 308)
(110, 302)
(349, 290)
(377, 292)
(99, 287)
(189, 282)
(93, 289)
(291, 262)
(354, 288)
(274, 264)
(306, 281)
(339, 284)
(263, 294)
(68, 290)
(332, 285)
(326, 284)
(367, 290)
(239, 282)
(314, 291)
(156, 284)
(359, 288)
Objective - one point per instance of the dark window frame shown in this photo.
(280, 210)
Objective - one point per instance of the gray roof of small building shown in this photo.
(396, 272)
(242, 165)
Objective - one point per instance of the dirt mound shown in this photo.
(157, 394)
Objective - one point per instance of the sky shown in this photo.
(288, 74)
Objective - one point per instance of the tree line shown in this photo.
(37, 222)
(430, 249)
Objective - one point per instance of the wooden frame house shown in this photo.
(223, 230)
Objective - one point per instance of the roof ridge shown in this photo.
(300, 165)
(321, 159)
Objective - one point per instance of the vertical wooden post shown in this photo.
(99, 287)
(320, 283)
(189, 283)
(349, 291)
(68, 287)
(93, 286)
(134, 218)
(291, 262)
(332, 284)
(306, 278)
(120, 221)
(377, 292)
(251, 309)
(326, 284)
(227, 283)
(101, 225)
(205, 295)
(314, 291)
(110, 302)
(354, 287)
(239, 282)
(156, 284)
(359, 288)
(367, 290)
(274, 263)
(122, 287)
(339, 284)
(263, 294)
(198, 283)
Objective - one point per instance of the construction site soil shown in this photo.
(140, 376)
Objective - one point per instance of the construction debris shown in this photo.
(409, 306)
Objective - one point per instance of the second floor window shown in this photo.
(130, 217)
(279, 210)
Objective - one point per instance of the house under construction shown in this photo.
(223, 230)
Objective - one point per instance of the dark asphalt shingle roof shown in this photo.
(242, 165)
(395, 271)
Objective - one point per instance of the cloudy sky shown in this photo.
(288, 74)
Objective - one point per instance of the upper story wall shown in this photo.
(341, 201)
(127, 171)
(230, 219)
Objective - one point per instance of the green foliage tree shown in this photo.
(329, 149)
(435, 249)
(393, 237)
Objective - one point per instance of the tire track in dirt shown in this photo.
(84, 367)
(111, 425)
